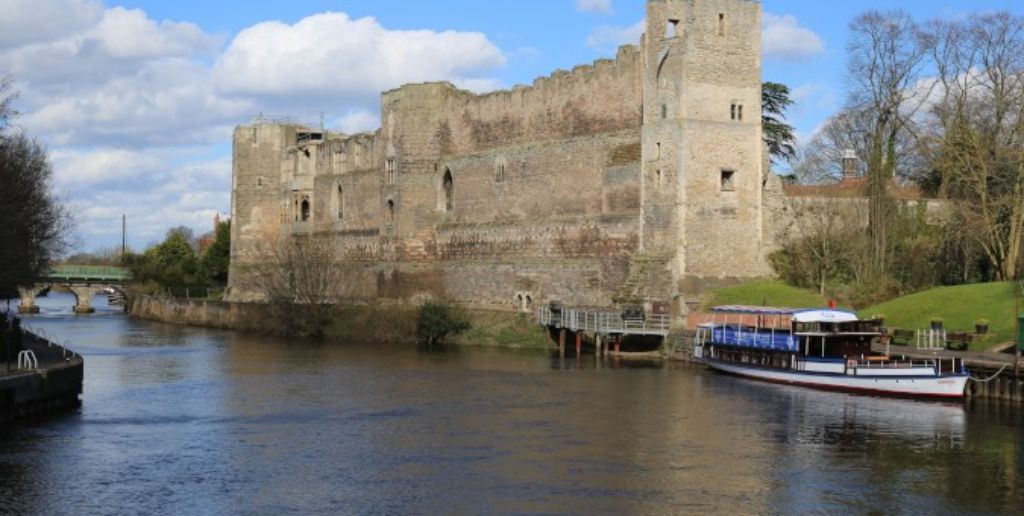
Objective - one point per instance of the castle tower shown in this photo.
(702, 147)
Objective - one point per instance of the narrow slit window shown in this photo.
(721, 24)
(657, 150)
(341, 202)
(448, 186)
(389, 170)
(671, 29)
(664, 111)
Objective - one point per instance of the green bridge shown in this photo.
(84, 281)
(88, 273)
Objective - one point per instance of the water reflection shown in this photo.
(186, 420)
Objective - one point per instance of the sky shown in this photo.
(135, 100)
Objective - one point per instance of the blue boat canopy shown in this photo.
(798, 314)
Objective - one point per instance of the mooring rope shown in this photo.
(990, 378)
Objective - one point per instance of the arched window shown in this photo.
(391, 211)
(305, 210)
(340, 202)
(448, 185)
(499, 170)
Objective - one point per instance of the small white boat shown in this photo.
(821, 348)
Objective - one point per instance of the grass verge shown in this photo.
(765, 293)
(958, 307)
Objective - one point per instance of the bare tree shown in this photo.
(977, 139)
(826, 229)
(305, 272)
(886, 56)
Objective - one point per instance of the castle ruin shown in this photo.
(632, 180)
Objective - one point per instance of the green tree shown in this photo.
(777, 134)
(437, 321)
(215, 261)
(34, 224)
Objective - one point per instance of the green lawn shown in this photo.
(958, 307)
(767, 293)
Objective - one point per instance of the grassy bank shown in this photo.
(397, 323)
(503, 329)
(959, 307)
(764, 293)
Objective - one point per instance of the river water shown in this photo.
(189, 421)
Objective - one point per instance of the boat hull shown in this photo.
(946, 387)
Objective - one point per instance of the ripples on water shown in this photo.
(188, 421)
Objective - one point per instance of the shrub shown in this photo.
(436, 321)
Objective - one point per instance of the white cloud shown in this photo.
(29, 21)
(116, 42)
(594, 6)
(784, 38)
(166, 102)
(75, 168)
(606, 37)
(137, 113)
(333, 55)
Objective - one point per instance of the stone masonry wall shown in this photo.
(537, 193)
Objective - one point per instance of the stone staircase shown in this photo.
(649, 279)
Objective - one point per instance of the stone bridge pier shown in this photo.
(28, 299)
(83, 297)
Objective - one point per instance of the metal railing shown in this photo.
(89, 272)
(27, 360)
(604, 322)
(931, 339)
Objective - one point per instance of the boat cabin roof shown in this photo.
(800, 315)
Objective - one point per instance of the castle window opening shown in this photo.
(259, 181)
(721, 24)
(657, 150)
(657, 176)
(391, 211)
(728, 180)
(296, 211)
(389, 170)
(340, 202)
(499, 172)
(671, 29)
(305, 210)
(736, 112)
(448, 185)
(664, 111)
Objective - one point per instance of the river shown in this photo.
(189, 421)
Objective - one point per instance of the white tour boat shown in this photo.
(822, 348)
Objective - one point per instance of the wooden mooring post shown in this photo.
(579, 344)
(561, 343)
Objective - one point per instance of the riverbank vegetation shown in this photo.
(34, 221)
(934, 110)
(184, 263)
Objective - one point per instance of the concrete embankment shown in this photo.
(350, 323)
(51, 385)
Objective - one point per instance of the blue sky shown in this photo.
(135, 100)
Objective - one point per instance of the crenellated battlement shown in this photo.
(541, 191)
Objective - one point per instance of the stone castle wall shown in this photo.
(537, 193)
